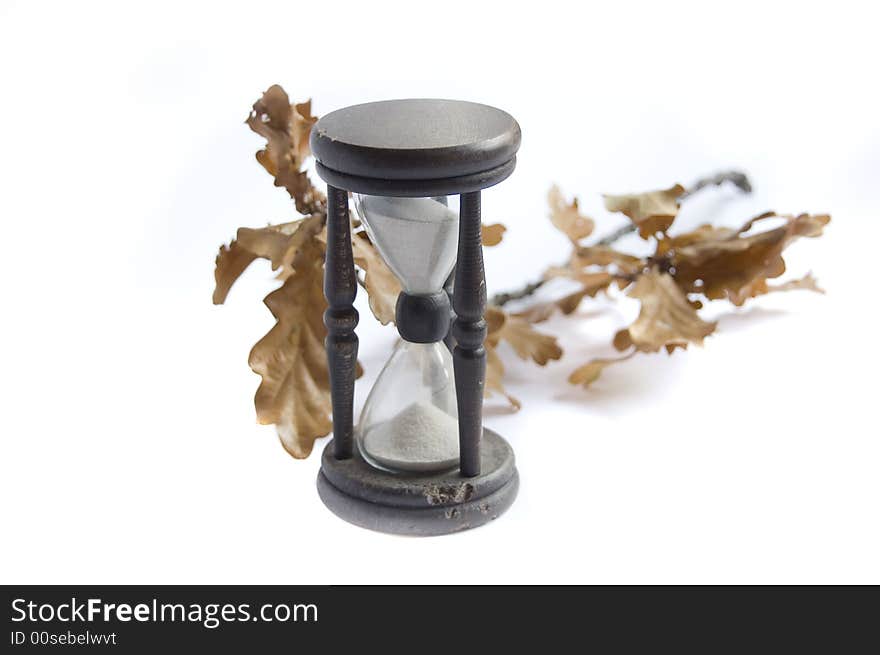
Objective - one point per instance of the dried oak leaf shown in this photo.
(807, 283)
(277, 243)
(606, 256)
(494, 377)
(294, 393)
(721, 263)
(291, 360)
(286, 129)
(526, 341)
(585, 268)
(382, 285)
(495, 319)
(652, 211)
(492, 234)
(591, 284)
(588, 373)
(539, 312)
(567, 216)
(592, 281)
(231, 262)
(666, 319)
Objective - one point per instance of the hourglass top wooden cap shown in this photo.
(415, 147)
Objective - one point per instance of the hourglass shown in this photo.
(419, 460)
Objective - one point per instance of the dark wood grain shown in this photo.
(415, 139)
(469, 331)
(341, 318)
(423, 318)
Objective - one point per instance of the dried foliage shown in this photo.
(666, 319)
(567, 217)
(492, 234)
(706, 264)
(652, 212)
(381, 284)
(527, 342)
(286, 128)
(294, 393)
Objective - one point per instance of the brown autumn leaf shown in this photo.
(652, 211)
(806, 283)
(701, 234)
(277, 243)
(567, 217)
(494, 365)
(761, 287)
(666, 319)
(588, 373)
(591, 283)
(526, 341)
(286, 129)
(291, 360)
(294, 393)
(382, 285)
(606, 256)
(492, 234)
(751, 222)
(707, 233)
(567, 304)
(231, 262)
(494, 377)
(721, 264)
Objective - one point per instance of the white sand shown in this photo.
(422, 437)
(417, 237)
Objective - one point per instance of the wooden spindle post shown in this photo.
(469, 331)
(341, 318)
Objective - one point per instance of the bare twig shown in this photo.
(500, 299)
(737, 178)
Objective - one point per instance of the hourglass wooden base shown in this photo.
(420, 504)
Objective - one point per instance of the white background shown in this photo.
(130, 452)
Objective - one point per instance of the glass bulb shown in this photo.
(417, 238)
(410, 419)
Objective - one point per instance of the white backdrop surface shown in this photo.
(130, 452)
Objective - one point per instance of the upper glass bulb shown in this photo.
(417, 238)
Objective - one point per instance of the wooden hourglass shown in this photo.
(419, 460)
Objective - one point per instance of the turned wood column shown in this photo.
(469, 331)
(341, 318)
